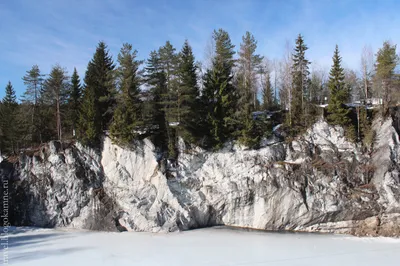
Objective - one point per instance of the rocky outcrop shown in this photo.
(318, 182)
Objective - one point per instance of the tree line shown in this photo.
(171, 95)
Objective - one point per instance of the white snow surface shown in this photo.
(213, 246)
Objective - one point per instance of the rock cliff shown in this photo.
(317, 182)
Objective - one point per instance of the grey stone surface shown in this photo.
(317, 182)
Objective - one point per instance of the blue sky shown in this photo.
(46, 32)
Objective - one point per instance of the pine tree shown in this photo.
(300, 73)
(8, 115)
(74, 101)
(55, 92)
(33, 79)
(339, 95)
(168, 62)
(249, 65)
(188, 95)
(386, 62)
(98, 96)
(127, 119)
(267, 93)
(219, 95)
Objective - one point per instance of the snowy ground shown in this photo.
(213, 246)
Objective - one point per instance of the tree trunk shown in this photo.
(58, 118)
(358, 123)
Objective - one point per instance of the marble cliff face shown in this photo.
(317, 182)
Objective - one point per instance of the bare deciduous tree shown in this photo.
(209, 53)
(367, 68)
(285, 77)
(275, 65)
(318, 91)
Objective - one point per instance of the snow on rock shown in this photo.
(385, 161)
(134, 180)
(314, 183)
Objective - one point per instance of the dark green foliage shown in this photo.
(47, 125)
(248, 135)
(89, 126)
(251, 134)
(98, 96)
(127, 119)
(339, 94)
(33, 80)
(8, 117)
(54, 95)
(219, 96)
(248, 64)
(74, 101)
(168, 63)
(188, 104)
(166, 102)
(267, 93)
(300, 83)
(168, 60)
(386, 62)
(10, 98)
(365, 126)
(156, 121)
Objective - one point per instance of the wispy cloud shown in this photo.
(46, 32)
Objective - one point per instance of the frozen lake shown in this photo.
(213, 246)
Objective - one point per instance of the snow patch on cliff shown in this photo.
(308, 184)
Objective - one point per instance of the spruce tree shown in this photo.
(55, 93)
(300, 73)
(127, 120)
(219, 95)
(339, 94)
(74, 101)
(89, 127)
(8, 117)
(10, 98)
(99, 94)
(188, 95)
(156, 121)
(386, 62)
(168, 60)
(267, 92)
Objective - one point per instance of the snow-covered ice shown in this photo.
(213, 246)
